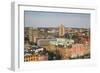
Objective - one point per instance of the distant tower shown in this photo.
(61, 30)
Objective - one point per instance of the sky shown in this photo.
(54, 19)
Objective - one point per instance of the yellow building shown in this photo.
(61, 30)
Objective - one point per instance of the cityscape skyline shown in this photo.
(54, 19)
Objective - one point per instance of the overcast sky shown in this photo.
(54, 19)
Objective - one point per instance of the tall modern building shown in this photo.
(35, 35)
(30, 34)
(61, 30)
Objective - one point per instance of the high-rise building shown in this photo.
(61, 30)
(30, 34)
